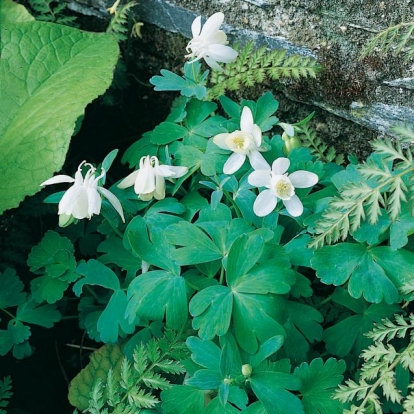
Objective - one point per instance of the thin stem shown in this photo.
(233, 203)
(8, 313)
(221, 280)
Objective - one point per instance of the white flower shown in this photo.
(243, 143)
(280, 185)
(209, 42)
(83, 199)
(148, 180)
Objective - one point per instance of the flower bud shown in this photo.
(247, 370)
(65, 220)
(290, 143)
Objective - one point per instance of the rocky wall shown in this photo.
(355, 99)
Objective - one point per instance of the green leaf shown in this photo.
(182, 399)
(116, 253)
(49, 74)
(151, 246)
(111, 322)
(167, 132)
(271, 390)
(106, 358)
(55, 254)
(375, 273)
(15, 337)
(156, 293)
(319, 381)
(197, 246)
(192, 84)
(355, 326)
(198, 111)
(401, 228)
(204, 353)
(212, 309)
(42, 315)
(49, 289)
(266, 106)
(302, 326)
(11, 12)
(215, 407)
(95, 273)
(11, 289)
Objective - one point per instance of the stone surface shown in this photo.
(351, 94)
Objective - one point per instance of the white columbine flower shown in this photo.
(83, 199)
(280, 185)
(148, 180)
(243, 143)
(209, 42)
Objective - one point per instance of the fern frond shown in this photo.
(253, 67)
(394, 39)
(387, 189)
(51, 11)
(135, 389)
(119, 24)
(405, 132)
(319, 149)
(378, 370)
(5, 393)
(141, 399)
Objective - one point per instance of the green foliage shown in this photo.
(119, 23)
(385, 180)
(15, 337)
(68, 63)
(318, 148)
(384, 372)
(130, 386)
(395, 40)
(254, 67)
(53, 259)
(51, 11)
(111, 322)
(5, 393)
(191, 84)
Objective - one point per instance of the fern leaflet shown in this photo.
(391, 183)
(394, 39)
(255, 66)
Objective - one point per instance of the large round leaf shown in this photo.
(49, 73)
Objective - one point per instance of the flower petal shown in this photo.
(220, 140)
(170, 171)
(129, 180)
(280, 166)
(213, 64)
(257, 135)
(58, 179)
(265, 203)
(294, 206)
(303, 179)
(260, 178)
(145, 181)
(94, 202)
(246, 120)
(257, 161)
(234, 162)
(196, 26)
(159, 193)
(113, 200)
(212, 24)
(74, 202)
(221, 53)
